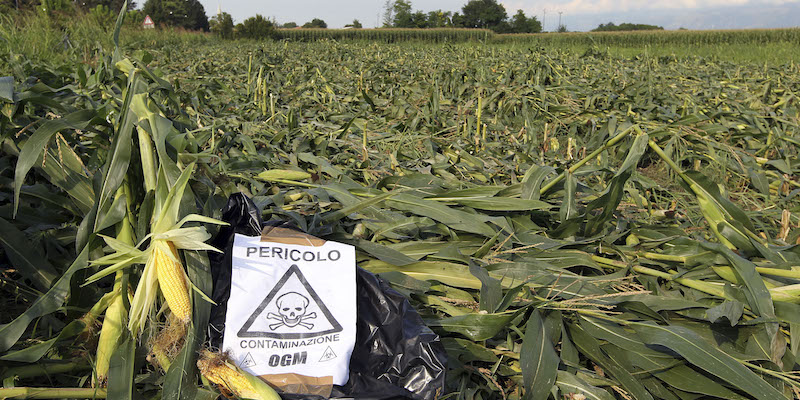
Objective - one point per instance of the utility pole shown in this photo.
(559, 20)
(544, 23)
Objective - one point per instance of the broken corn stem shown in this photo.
(705, 287)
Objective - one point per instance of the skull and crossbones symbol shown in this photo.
(292, 311)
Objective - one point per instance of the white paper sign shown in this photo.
(292, 308)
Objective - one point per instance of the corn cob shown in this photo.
(172, 281)
(215, 368)
(110, 333)
(116, 314)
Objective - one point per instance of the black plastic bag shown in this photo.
(395, 356)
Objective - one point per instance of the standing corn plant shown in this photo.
(139, 194)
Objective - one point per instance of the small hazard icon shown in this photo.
(327, 355)
(291, 310)
(148, 22)
(248, 361)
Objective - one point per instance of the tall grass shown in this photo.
(59, 38)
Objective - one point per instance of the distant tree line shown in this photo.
(190, 14)
(256, 27)
(485, 14)
(610, 27)
(314, 23)
(186, 14)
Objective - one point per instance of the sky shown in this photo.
(577, 15)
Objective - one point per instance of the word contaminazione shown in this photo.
(286, 344)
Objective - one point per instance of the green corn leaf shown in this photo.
(26, 257)
(590, 347)
(707, 357)
(538, 359)
(491, 289)
(7, 88)
(475, 326)
(569, 206)
(454, 219)
(121, 369)
(610, 199)
(39, 141)
(570, 384)
(49, 303)
(532, 181)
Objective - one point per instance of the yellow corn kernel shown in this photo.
(216, 370)
(172, 281)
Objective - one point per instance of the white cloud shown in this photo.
(576, 7)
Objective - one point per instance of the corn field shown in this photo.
(618, 39)
(572, 226)
(443, 35)
(753, 37)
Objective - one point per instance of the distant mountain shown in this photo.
(733, 17)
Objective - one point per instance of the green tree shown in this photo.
(187, 14)
(222, 25)
(289, 25)
(355, 24)
(315, 23)
(419, 20)
(48, 6)
(113, 5)
(8, 5)
(256, 27)
(402, 15)
(457, 21)
(102, 15)
(440, 19)
(388, 13)
(625, 26)
(520, 23)
(488, 14)
(134, 18)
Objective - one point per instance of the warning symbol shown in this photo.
(248, 361)
(328, 355)
(291, 310)
(148, 22)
